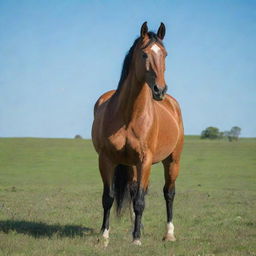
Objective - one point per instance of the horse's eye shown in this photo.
(144, 55)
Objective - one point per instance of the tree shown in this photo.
(210, 133)
(234, 133)
(78, 136)
(214, 133)
(227, 135)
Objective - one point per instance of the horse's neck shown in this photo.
(134, 99)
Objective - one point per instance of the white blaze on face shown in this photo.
(155, 48)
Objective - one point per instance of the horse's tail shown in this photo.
(122, 181)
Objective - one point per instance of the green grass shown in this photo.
(50, 201)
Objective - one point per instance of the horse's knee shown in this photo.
(107, 198)
(169, 193)
(139, 202)
(139, 206)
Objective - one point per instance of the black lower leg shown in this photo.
(169, 197)
(107, 202)
(138, 206)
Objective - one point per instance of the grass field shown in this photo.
(50, 201)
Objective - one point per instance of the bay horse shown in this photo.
(135, 126)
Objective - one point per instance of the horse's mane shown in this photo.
(128, 58)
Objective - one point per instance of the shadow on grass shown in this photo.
(39, 229)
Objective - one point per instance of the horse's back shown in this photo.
(99, 110)
(102, 99)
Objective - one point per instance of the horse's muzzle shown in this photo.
(158, 92)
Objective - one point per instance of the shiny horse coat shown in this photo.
(136, 126)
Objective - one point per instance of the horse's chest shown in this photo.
(118, 139)
(125, 145)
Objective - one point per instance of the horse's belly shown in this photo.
(167, 137)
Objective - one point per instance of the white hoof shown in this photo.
(170, 233)
(105, 242)
(137, 242)
(169, 237)
(105, 236)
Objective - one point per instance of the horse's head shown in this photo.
(150, 60)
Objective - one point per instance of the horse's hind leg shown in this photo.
(107, 170)
(171, 169)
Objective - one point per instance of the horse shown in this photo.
(135, 126)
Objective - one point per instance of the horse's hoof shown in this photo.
(169, 237)
(137, 242)
(105, 242)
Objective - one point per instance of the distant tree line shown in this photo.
(214, 133)
(78, 137)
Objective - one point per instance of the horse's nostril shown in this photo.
(156, 88)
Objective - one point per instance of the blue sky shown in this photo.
(58, 57)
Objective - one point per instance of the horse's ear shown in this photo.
(144, 29)
(161, 31)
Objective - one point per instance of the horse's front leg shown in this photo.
(143, 171)
(107, 169)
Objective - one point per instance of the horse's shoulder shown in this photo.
(103, 98)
